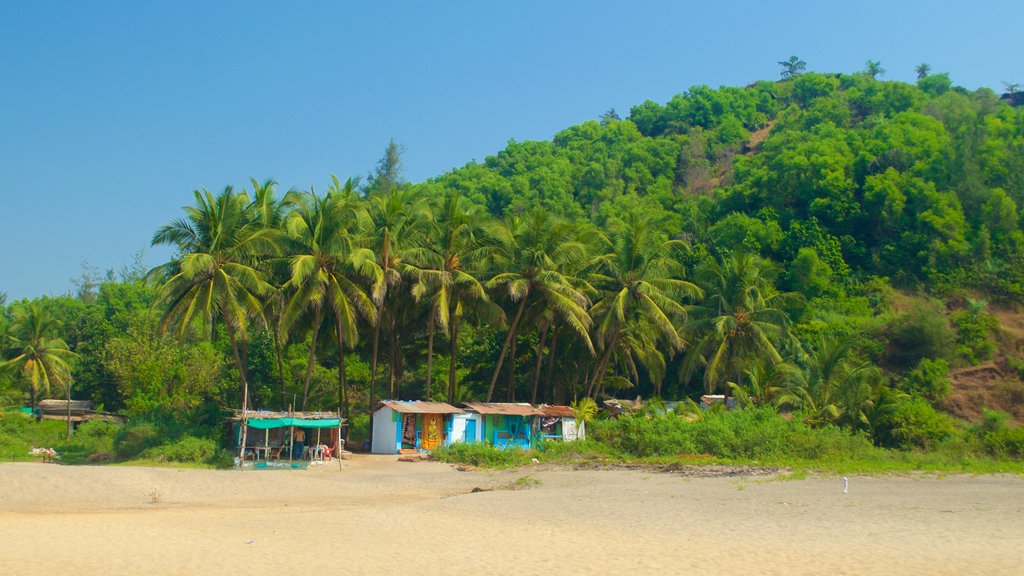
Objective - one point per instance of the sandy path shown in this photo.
(378, 516)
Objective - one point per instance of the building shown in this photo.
(412, 425)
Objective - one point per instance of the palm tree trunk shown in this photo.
(393, 368)
(504, 348)
(245, 395)
(452, 351)
(280, 370)
(536, 368)
(312, 357)
(342, 377)
(32, 400)
(430, 355)
(602, 367)
(373, 360)
(512, 372)
(549, 396)
(68, 385)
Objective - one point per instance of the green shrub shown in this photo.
(20, 432)
(922, 332)
(929, 380)
(134, 438)
(93, 440)
(359, 428)
(479, 454)
(998, 437)
(974, 330)
(915, 424)
(189, 450)
(749, 433)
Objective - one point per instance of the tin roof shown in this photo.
(418, 407)
(506, 408)
(558, 411)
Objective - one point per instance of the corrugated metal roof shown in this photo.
(558, 411)
(418, 407)
(506, 408)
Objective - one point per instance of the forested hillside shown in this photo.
(832, 245)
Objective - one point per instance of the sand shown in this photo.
(378, 516)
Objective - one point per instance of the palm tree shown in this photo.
(873, 69)
(269, 211)
(764, 382)
(396, 219)
(324, 267)
(37, 351)
(443, 278)
(832, 387)
(214, 275)
(922, 70)
(792, 67)
(536, 252)
(742, 318)
(639, 282)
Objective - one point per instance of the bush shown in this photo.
(929, 380)
(914, 423)
(190, 450)
(20, 432)
(479, 454)
(134, 438)
(92, 441)
(749, 433)
(999, 438)
(922, 332)
(974, 329)
(359, 428)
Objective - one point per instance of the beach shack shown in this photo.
(501, 424)
(277, 436)
(559, 423)
(411, 425)
(75, 411)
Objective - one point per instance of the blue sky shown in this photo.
(111, 113)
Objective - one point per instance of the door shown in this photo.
(471, 430)
(432, 434)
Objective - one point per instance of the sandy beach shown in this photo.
(374, 515)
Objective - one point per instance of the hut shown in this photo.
(411, 425)
(289, 435)
(501, 424)
(75, 411)
(559, 423)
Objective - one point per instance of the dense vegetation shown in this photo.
(827, 245)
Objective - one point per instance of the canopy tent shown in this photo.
(270, 423)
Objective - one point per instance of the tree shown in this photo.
(535, 253)
(922, 70)
(1011, 87)
(325, 269)
(388, 175)
(873, 69)
(444, 277)
(741, 320)
(640, 286)
(36, 350)
(792, 67)
(214, 276)
(396, 223)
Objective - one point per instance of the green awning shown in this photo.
(267, 423)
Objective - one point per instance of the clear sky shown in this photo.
(111, 113)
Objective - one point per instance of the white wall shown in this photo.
(458, 428)
(569, 431)
(384, 432)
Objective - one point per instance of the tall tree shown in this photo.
(444, 277)
(741, 319)
(215, 277)
(922, 70)
(640, 285)
(792, 67)
(36, 351)
(873, 69)
(325, 271)
(535, 253)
